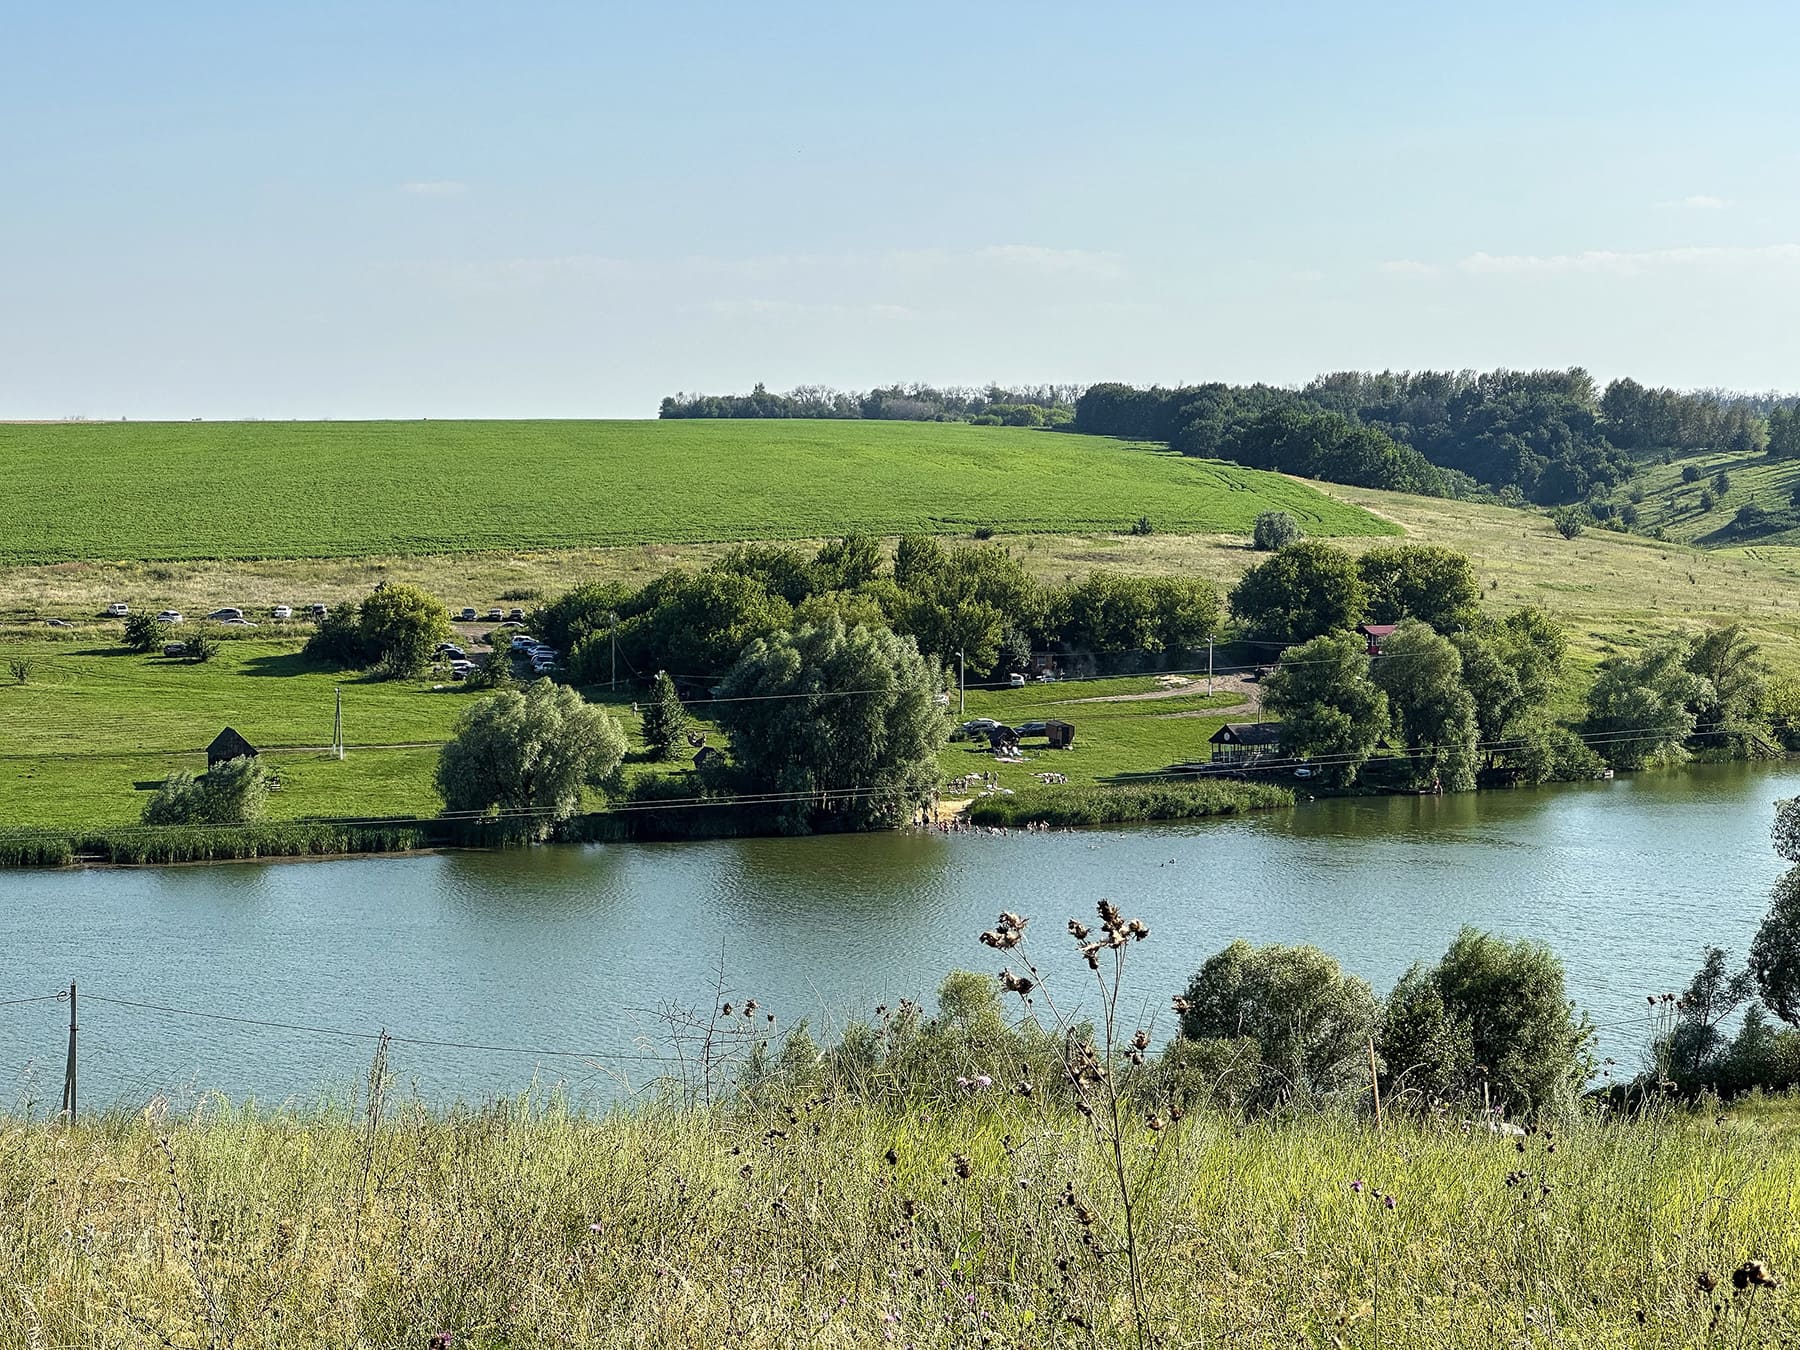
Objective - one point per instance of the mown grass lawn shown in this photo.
(345, 489)
(1114, 741)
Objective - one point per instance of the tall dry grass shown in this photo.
(844, 1223)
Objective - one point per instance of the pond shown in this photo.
(507, 956)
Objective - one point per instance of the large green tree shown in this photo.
(1736, 674)
(665, 719)
(532, 752)
(1775, 953)
(840, 725)
(1433, 714)
(1301, 591)
(963, 599)
(1640, 709)
(1330, 710)
(695, 624)
(1420, 581)
(402, 625)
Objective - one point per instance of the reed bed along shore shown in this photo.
(990, 1219)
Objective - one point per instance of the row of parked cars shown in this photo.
(230, 615)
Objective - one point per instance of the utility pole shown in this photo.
(962, 686)
(337, 725)
(612, 632)
(1209, 645)
(68, 1100)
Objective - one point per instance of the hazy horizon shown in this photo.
(400, 210)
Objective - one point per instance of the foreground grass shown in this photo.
(789, 1225)
(343, 489)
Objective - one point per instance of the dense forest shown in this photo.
(1546, 436)
(1515, 436)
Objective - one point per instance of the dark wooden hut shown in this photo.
(228, 745)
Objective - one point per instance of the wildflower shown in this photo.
(1753, 1274)
(1707, 1281)
(1357, 1186)
(961, 1166)
(1179, 1004)
(441, 1340)
(727, 1010)
(1141, 1041)
(596, 1228)
(1078, 930)
(1388, 1200)
(981, 1080)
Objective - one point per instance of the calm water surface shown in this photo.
(576, 948)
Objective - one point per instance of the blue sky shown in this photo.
(387, 209)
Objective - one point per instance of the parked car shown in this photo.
(518, 614)
(59, 623)
(1015, 681)
(317, 611)
(451, 650)
(169, 616)
(174, 649)
(282, 612)
(118, 609)
(1046, 679)
(228, 613)
(237, 623)
(975, 726)
(523, 642)
(495, 615)
(468, 614)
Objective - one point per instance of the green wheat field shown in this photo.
(172, 490)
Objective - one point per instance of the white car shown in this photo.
(282, 612)
(226, 615)
(1016, 681)
(169, 616)
(236, 623)
(118, 609)
(521, 642)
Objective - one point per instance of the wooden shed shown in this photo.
(1240, 742)
(228, 745)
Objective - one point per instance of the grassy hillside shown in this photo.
(833, 1224)
(325, 489)
(1676, 506)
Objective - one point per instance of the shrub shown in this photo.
(1690, 473)
(338, 640)
(983, 532)
(1707, 500)
(145, 633)
(231, 793)
(1493, 1012)
(1311, 1022)
(202, 646)
(1275, 530)
(401, 625)
(1142, 526)
(1569, 521)
(20, 668)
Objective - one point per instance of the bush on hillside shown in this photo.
(1275, 530)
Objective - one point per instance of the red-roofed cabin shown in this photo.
(1376, 633)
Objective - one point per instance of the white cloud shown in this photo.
(1702, 202)
(1614, 262)
(434, 187)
